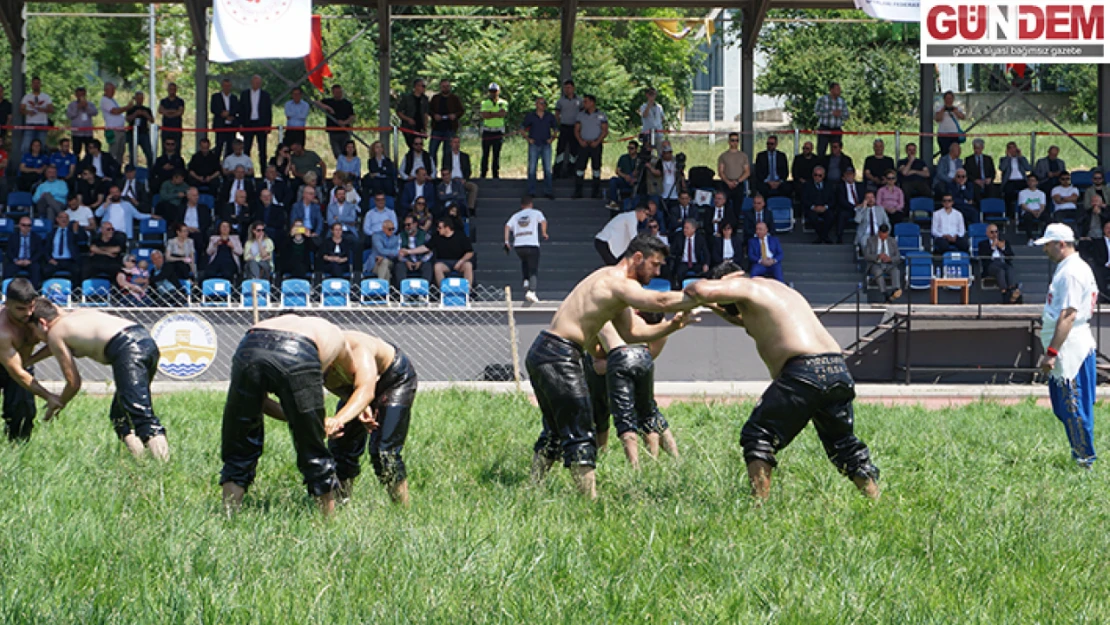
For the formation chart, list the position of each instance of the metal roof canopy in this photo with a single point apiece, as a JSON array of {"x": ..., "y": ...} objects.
[{"x": 753, "y": 14}]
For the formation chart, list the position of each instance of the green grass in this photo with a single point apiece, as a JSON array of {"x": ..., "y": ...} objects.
[{"x": 983, "y": 520}]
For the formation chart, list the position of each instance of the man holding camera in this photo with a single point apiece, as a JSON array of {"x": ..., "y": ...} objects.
[{"x": 666, "y": 174}]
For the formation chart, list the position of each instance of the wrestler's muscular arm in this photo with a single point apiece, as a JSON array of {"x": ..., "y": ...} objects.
[
  {"x": 359, "y": 361},
  {"x": 13, "y": 362},
  {"x": 56, "y": 342},
  {"x": 714, "y": 292}
]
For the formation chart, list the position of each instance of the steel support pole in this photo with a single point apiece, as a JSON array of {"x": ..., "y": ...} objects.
[{"x": 384, "y": 104}]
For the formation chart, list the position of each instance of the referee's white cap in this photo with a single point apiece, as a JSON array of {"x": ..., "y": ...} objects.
[{"x": 1056, "y": 232}]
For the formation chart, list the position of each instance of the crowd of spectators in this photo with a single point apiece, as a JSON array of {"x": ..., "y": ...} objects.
[{"x": 235, "y": 211}]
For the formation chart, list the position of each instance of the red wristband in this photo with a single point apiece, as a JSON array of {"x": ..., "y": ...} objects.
[{"x": 1051, "y": 351}]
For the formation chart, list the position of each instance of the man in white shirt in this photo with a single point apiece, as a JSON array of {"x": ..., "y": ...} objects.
[
  {"x": 1034, "y": 208},
  {"x": 120, "y": 213},
  {"x": 1064, "y": 198},
  {"x": 524, "y": 229},
  {"x": 614, "y": 238},
  {"x": 35, "y": 106},
  {"x": 114, "y": 121},
  {"x": 651, "y": 112},
  {"x": 949, "y": 232},
  {"x": 80, "y": 213},
  {"x": 237, "y": 158},
  {"x": 1069, "y": 346}
]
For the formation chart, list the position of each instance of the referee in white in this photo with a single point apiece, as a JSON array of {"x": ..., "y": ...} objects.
[
  {"x": 1069, "y": 346},
  {"x": 527, "y": 226}
]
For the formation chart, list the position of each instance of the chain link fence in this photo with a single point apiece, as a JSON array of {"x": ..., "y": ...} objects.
[{"x": 450, "y": 338}]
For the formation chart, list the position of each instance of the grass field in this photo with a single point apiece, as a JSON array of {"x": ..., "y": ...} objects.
[{"x": 983, "y": 520}]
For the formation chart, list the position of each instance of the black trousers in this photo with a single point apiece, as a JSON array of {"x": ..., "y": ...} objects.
[
  {"x": 588, "y": 155},
  {"x": 250, "y": 136},
  {"x": 393, "y": 397},
  {"x": 80, "y": 145},
  {"x": 942, "y": 245},
  {"x": 605, "y": 252},
  {"x": 287, "y": 365},
  {"x": 828, "y": 135},
  {"x": 631, "y": 379},
  {"x": 529, "y": 264},
  {"x": 566, "y": 150},
  {"x": 599, "y": 394},
  {"x": 816, "y": 387},
  {"x": 559, "y": 381},
  {"x": 1003, "y": 274},
  {"x": 293, "y": 135},
  {"x": 19, "y": 407},
  {"x": 224, "y": 139},
  {"x": 134, "y": 357},
  {"x": 491, "y": 142},
  {"x": 69, "y": 266}
]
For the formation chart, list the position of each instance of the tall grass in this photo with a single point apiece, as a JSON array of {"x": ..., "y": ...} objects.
[{"x": 983, "y": 520}]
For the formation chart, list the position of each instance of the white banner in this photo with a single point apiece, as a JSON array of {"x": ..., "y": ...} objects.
[
  {"x": 1004, "y": 31},
  {"x": 891, "y": 10},
  {"x": 260, "y": 29}
]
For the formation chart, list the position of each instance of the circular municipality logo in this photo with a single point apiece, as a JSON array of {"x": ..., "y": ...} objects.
[
  {"x": 250, "y": 12},
  {"x": 187, "y": 343}
]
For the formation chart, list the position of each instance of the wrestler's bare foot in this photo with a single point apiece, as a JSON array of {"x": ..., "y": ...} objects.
[
  {"x": 586, "y": 479},
  {"x": 759, "y": 475},
  {"x": 651, "y": 439},
  {"x": 233, "y": 497},
  {"x": 670, "y": 445},
  {"x": 326, "y": 503},
  {"x": 134, "y": 445},
  {"x": 631, "y": 448},
  {"x": 602, "y": 438},
  {"x": 399, "y": 493},
  {"x": 540, "y": 466},
  {"x": 867, "y": 486},
  {"x": 159, "y": 447}
]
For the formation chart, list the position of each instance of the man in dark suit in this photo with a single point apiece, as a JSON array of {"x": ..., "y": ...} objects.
[
  {"x": 849, "y": 195},
  {"x": 771, "y": 168},
  {"x": 419, "y": 186},
  {"x": 964, "y": 196},
  {"x": 684, "y": 209},
  {"x": 713, "y": 216},
  {"x": 689, "y": 254},
  {"x": 980, "y": 172},
  {"x": 1100, "y": 260},
  {"x": 276, "y": 185},
  {"x": 239, "y": 181},
  {"x": 819, "y": 202},
  {"x": 765, "y": 254},
  {"x": 224, "y": 107},
  {"x": 237, "y": 213},
  {"x": 996, "y": 257},
  {"x": 801, "y": 171},
  {"x": 270, "y": 213},
  {"x": 256, "y": 111},
  {"x": 836, "y": 161},
  {"x": 165, "y": 165},
  {"x": 758, "y": 214},
  {"x": 25, "y": 253},
  {"x": 62, "y": 255},
  {"x": 103, "y": 165},
  {"x": 134, "y": 191}
]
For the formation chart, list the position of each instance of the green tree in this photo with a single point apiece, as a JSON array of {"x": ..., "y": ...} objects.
[
  {"x": 876, "y": 65},
  {"x": 1081, "y": 81}
]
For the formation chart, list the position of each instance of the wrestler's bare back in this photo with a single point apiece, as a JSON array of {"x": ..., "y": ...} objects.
[
  {"x": 87, "y": 332},
  {"x": 597, "y": 300},
  {"x": 776, "y": 316},
  {"x": 329, "y": 339}
]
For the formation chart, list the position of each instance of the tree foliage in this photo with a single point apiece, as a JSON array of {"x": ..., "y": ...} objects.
[
  {"x": 877, "y": 70},
  {"x": 1081, "y": 81}
]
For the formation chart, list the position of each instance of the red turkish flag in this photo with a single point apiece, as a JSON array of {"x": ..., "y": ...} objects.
[
  {"x": 316, "y": 57},
  {"x": 1019, "y": 69}
]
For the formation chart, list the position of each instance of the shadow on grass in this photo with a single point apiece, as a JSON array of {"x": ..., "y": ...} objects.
[{"x": 504, "y": 472}]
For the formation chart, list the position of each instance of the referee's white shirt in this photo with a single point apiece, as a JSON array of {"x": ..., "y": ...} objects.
[{"x": 1073, "y": 286}]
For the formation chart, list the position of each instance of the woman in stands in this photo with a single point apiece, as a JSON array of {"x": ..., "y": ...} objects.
[
  {"x": 349, "y": 162},
  {"x": 381, "y": 173},
  {"x": 224, "y": 253},
  {"x": 181, "y": 255},
  {"x": 258, "y": 254},
  {"x": 335, "y": 254}
]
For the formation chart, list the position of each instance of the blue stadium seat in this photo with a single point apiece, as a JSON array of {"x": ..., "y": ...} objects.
[
  {"x": 374, "y": 292},
  {"x": 993, "y": 209},
  {"x": 783, "y": 210},
  {"x": 7, "y": 228},
  {"x": 414, "y": 291},
  {"x": 659, "y": 284},
  {"x": 152, "y": 233},
  {"x": 96, "y": 292},
  {"x": 215, "y": 292},
  {"x": 143, "y": 253},
  {"x": 142, "y": 174},
  {"x": 246, "y": 291},
  {"x": 40, "y": 226},
  {"x": 335, "y": 292},
  {"x": 20, "y": 201},
  {"x": 58, "y": 290},
  {"x": 919, "y": 269},
  {"x": 295, "y": 293},
  {"x": 956, "y": 265},
  {"x": 921, "y": 210},
  {"x": 4, "y": 287},
  {"x": 1082, "y": 179},
  {"x": 746, "y": 206},
  {"x": 975, "y": 234},
  {"x": 908, "y": 236},
  {"x": 454, "y": 293},
  {"x": 207, "y": 200},
  {"x": 688, "y": 281}
]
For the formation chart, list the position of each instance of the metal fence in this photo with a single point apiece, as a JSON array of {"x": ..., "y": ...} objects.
[
  {"x": 448, "y": 341},
  {"x": 706, "y": 106}
]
